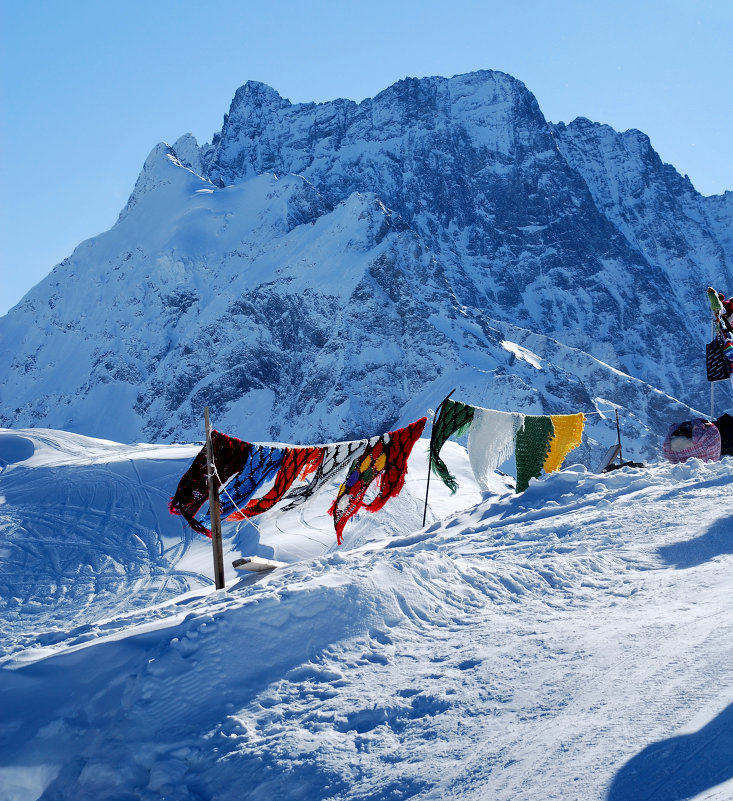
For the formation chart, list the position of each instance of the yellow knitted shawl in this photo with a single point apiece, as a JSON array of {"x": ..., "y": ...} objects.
[{"x": 568, "y": 435}]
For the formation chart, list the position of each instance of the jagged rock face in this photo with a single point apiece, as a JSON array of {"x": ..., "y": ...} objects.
[
  {"x": 513, "y": 207},
  {"x": 659, "y": 213},
  {"x": 440, "y": 235},
  {"x": 224, "y": 302}
]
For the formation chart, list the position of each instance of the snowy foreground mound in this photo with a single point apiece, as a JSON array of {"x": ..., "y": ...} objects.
[{"x": 572, "y": 642}]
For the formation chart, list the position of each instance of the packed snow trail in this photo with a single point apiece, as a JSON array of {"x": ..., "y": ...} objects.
[
  {"x": 85, "y": 532},
  {"x": 572, "y": 642}
]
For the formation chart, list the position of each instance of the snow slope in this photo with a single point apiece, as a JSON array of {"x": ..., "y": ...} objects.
[{"x": 572, "y": 642}]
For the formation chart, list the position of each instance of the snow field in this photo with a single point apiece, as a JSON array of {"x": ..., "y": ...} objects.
[{"x": 571, "y": 642}]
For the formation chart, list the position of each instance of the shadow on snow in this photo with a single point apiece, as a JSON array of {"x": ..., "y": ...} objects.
[
  {"x": 717, "y": 540},
  {"x": 681, "y": 767}
]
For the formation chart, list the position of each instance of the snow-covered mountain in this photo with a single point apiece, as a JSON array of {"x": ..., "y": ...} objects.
[{"x": 322, "y": 271}]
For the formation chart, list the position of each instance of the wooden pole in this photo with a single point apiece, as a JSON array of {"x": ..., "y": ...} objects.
[
  {"x": 430, "y": 457},
  {"x": 618, "y": 434},
  {"x": 214, "y": 510}
]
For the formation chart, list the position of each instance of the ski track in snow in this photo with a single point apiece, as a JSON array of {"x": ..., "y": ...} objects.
[
  {"x": 86, "y": 541},
  {"x": 572, "y": 642}
]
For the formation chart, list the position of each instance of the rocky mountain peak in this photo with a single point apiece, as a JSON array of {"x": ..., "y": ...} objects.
[
  {"x": 256, "y": 93},
  {"x": 322, "y": 270}
]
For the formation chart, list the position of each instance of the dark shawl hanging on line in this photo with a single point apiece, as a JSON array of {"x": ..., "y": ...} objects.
[{"x": 230, "y": 455}]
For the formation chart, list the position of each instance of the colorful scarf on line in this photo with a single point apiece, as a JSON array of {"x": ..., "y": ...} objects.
[
  {"x": 243, "y": 468},
  {"x": 287, "y": 464},
  {"x": 532, "y": 448},
  {"x": 728, "y": 350},
  {"x": 453, "y": 420},
  {"x": 263, "y": 462},
  {"x": 335, "y": 458},
  {"x": 294, "y": 463},
  {"x": 568, "y": 436},
  {"x": 383, "y": 462},
  {"x": 230, "y": 456}
]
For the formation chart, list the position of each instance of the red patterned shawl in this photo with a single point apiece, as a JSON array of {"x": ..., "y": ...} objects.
[
  {"x": 296, "y": 463},
  {"x": 383, "y": 461}
]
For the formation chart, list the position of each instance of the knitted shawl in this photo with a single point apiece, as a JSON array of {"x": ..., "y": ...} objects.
[
  {"x": 241, "y": 469},
  {"x": 288, "y": 465},
  {"x": 383, "y": 463},
  {"x": 568, "y": 436},
  {"x": 263, "y": 463},
  {"x": 453, "y": 420},
  {"x": 295, "y": 463},
  {"x": 335, "y": 458},
  {"x": 230, "y": 456},
  {"x": 491, "y": 441},
  {"x": 533, "y": 447}
]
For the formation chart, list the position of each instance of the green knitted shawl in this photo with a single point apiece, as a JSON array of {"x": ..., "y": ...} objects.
[
  {"x": 533, "y": 445},
  {"x": 454, "y": 419}
]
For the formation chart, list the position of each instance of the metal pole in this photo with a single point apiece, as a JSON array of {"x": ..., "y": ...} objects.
[
  {"x": 712, "y": 401},
  {"x": 618, "y": 434},
  {"x": 214, "y": 507},
  {"x": 712, "y": 386},
  {"x": 430, "y": 456},
  {"x": 427, "y": 487}
]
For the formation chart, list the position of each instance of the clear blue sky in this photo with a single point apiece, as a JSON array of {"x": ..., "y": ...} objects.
[{"x": 88, "y": 88}]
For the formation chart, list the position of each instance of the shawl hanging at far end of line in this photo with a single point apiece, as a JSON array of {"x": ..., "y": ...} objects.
[{"x": 568, "y": 436}]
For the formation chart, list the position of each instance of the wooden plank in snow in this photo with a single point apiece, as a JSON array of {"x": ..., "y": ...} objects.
[{"x": 256, "y": 564}]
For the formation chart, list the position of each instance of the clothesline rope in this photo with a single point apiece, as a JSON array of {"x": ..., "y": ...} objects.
[{"x": 223, "y": 489}]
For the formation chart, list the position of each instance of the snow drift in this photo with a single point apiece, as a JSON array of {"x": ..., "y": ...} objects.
[{"x": 570, "y": 642}]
